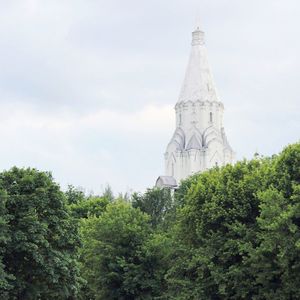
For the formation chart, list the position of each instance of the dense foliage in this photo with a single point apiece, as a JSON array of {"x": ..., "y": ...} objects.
[
  {"x": 228, "y": 233},
  {"x": 115, "y": 264},
  {"x": 237, "y": 232},
  {"x": 39, "y": 240},
  {"x": 157, "y": 203}
]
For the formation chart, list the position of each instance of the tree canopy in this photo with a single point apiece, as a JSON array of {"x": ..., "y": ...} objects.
[
  {"x": 112, "y": 253},
  {"x": 238, "y": 232},
  {"x": 40, "y": 238},
  {"x": 227, "y": 233}
]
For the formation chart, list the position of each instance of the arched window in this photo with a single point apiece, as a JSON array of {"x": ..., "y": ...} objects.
[
  {"x": 180, "y": 119},
  {"x": 210, "y": 117}
]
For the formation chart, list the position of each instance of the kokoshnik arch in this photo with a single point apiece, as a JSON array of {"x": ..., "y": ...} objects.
[{"x": 199, "y": 141}]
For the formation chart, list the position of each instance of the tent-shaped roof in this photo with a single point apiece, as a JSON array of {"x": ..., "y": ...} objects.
[
  {"x": 198, "y": 83},
  {"x": 166, "y": 181}
]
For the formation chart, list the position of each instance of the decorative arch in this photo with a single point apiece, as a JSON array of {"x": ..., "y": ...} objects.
[
  {"x": 210, "y": 135},
  {"x": 178, "y": 141},
  {"x": 194, "y": 143}
]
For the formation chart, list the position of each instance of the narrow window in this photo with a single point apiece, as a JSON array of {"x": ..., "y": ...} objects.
[
  {"x": 180, "y": 119},
  {"x": 210, "y": 117},
  {"x": 172, "y": 169}
]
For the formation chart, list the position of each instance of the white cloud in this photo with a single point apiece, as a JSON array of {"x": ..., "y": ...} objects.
[
  {"x": 87, "y": 88},
  {"x": 150, "y": 119},
  {"x": 80, "y": 148}
]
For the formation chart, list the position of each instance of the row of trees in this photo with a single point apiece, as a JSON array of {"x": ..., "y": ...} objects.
[{"x": 228, "y": 233}]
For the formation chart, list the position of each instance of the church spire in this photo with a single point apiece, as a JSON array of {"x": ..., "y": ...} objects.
[
  {"x": 198, "y": 83},
  {"x": 199, "y": 141}
]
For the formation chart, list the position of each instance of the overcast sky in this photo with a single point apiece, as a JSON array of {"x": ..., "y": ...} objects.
[{"x": 88, "y": 87}]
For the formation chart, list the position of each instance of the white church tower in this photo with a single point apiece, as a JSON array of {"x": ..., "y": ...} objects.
[{"x": 199, "y": 141}]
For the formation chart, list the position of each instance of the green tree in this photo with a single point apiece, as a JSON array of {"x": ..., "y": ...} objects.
[
  {"x": 82, "y": 206},
  {"x": 156, "y": 202},
  {"x": 108, "y": 193},
  {"x": 4, "y": 238},
  {"x": 237, "y": 232},
  {"x": 276, "y": 260},
  {"x": 90, "y": 206},
  {"x": 117, "y": 253},
  {"x": 216, "y": 232},
  {"x": 41, "y": 251},
  {"x": 74, "y": 195}
]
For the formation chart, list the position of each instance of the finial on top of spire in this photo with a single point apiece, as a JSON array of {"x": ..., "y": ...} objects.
[
  {"x": 198, "y": 37},
  {"x": 198, "y": 20}
]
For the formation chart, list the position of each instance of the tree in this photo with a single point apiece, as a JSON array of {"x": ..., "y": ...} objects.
[
  {"x": 108, "y": 193},
  {"x": 276, "y": 260},
  {"x": 216, "y": 231},
  {"x": 82, "y": 206},
  {"x": 91, "y": 206},
  {"x": 117, "y": 255},
  {"x": 237, "y": 233},
  {"x": 156, "y": 202},
  {"x": 42, "y": 250},
  {"x": 4, "y": 238},
  {"x": 74, "y": 195}
]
